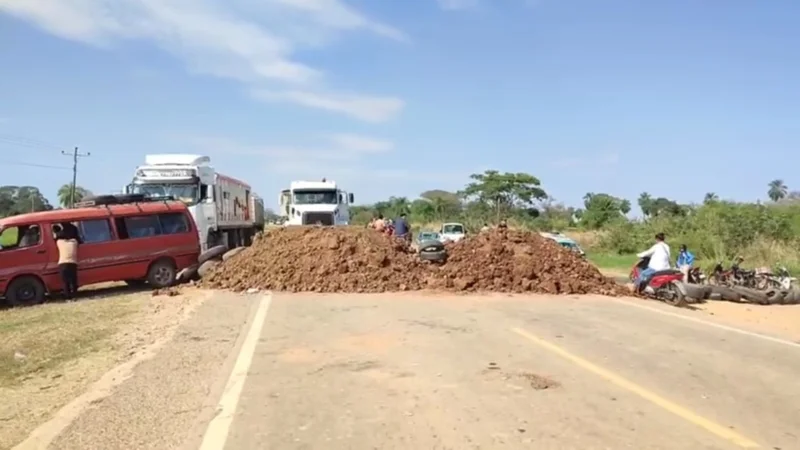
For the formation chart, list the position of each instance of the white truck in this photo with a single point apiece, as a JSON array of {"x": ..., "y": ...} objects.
[
  {"x": 315, "y": 203},
  {"x": 226, "y": 210}
]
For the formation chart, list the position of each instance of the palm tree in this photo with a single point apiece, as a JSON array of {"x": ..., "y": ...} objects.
[
  {"x": 710, "y": 198},
  {"x": 65, "y": 195},
  {"x": 777, "y": 190},
  {"x": 645, "y": 204}
]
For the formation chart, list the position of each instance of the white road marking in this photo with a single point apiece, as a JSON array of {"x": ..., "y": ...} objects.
[
  {"x": 216, "y": 434},
  {"x": 710, "y": 324}
]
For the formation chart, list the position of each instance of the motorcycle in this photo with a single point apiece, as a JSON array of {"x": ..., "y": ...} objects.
[
  {"x": 696, "y": 276},
  {"x": 782, "y": 280},
  {"x": 664, "y": 285},
  {"x": 734, "y": 277}
]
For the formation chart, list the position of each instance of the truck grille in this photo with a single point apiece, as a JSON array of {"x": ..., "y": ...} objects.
[{"x": 313, "y": 218}]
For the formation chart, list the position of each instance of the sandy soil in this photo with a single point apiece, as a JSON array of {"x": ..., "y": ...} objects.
[
  {"x": 61, "y": 349},
  {"x": 779, "y": 320}
]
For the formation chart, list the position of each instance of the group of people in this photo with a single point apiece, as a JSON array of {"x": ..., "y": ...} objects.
[
  {"x": 660, "y": 259},
  {"x": 398, "y": 227}
]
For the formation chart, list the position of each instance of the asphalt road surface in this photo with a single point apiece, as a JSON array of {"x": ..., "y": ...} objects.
[{"x": 411, "y": 371}]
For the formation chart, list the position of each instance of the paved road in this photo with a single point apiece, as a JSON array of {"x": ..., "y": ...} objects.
[{"x": 441, "y": 372}]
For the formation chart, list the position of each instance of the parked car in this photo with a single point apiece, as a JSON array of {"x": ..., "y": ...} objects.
[
  {"x": 452, "y": 232},
  {"x": 423, "y": 236},
  {"x": 137, "y": 242},
  {"x": 565, "y": 242}
]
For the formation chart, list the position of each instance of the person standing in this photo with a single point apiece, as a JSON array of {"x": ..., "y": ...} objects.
[
  {"x": 67, "y": 240},
  {"x": 401, "y": 228},
  {"x": 685, "y": 262}
]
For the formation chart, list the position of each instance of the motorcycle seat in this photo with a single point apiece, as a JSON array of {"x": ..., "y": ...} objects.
[{"x": 667, "y": 272}]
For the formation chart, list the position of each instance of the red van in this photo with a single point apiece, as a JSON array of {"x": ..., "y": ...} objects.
[{"x": 137, "y": 242}]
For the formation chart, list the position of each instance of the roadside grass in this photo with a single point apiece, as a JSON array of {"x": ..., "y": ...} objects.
[
  {"x": 9, "y": 237},
  {"x": 611, "y": 262},
  {"x": 37, "y": 341}
]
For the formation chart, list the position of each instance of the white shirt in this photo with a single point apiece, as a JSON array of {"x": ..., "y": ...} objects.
[{"x": 659, "y": 256}]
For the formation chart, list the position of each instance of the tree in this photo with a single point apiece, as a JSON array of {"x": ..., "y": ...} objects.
[
  {"x": 777, "y": 190},
  {"x": 710, "y": 198},
  {"x": 504, "y": 191},
  {"x": 21, "y": 199},
  {"x": 645, "y": 204},
  {"x": 442, "y": 204},
  {"x": 602, "y": 209},
  {"x": 65, "y": 195}
]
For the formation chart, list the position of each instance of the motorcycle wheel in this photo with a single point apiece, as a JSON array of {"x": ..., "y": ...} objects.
[{"x": 672, "y": 295}]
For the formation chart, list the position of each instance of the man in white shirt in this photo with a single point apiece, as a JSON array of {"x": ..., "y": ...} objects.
[{"x": 659, "y": 260}]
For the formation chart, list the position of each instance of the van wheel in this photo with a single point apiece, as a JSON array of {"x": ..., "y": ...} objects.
[
  {"x": 25, "y": 291},
  {"x": 161, "y": 274}
]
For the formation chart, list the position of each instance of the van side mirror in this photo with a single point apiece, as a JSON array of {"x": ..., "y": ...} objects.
[{"x": 351, "y": 199}]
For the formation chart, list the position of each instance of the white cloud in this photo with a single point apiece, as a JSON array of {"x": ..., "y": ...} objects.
[
  {"x": 366, "y": 108},
  {"x": 251, "y": 42}
]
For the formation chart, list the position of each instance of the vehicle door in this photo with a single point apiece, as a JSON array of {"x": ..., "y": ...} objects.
[
  {"x": 24, "y": 252},
  {"x": 99, "y": 254}
]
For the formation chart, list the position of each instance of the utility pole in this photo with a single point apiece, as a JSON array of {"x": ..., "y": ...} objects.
[{"x": 75, "y": 155}]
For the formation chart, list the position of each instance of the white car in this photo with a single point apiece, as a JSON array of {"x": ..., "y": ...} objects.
[{"x": 452, "y": 232}]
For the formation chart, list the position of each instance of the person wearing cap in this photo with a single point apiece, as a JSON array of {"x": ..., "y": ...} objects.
[{"x": 684, "y": 262}]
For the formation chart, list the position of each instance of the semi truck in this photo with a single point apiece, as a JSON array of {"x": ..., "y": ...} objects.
[
  {"x": 226, "y": 210},
  {"x": 315, "y": 203}
]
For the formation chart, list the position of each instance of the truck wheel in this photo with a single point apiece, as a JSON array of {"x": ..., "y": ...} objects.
[
  {"x": 161, "y": 274},
  {"x": 207, "y": 267},
  {"x": 187, "y": 274},
  {"x": 212, "y": 253},
  {"x": 231, "y": 253},
  {"x": 25, "y": 291}
]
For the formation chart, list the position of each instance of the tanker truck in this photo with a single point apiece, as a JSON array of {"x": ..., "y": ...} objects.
[
  {"x": 226, "y": 210},
  {"x": 315, "y": 203}
]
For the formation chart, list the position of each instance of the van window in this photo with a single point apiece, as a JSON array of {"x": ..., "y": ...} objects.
[
  {"x": 173, "y": 223},
  {"x": 20, "y": 237},
  {"x": 93, "y": 231},
  {"x": 137, "y": 226}
]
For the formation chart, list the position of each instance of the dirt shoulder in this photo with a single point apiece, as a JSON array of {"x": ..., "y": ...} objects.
[
  {"x": 52, "y": 353},
  {"x": 777, "y": 320}
]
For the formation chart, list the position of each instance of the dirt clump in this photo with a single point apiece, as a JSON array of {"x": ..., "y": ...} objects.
[
  {"x": 519, "y": 261},
  {"x": 320, "y": 259}
]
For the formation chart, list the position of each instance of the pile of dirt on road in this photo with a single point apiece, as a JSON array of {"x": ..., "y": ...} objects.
[
  {"x": 519, "y": 261},
  {"x": 321, "y": 259}
]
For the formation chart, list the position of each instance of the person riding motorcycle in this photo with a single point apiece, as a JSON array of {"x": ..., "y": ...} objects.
[
  {"x": 684, "y": 262},
  {"x": 659, "y": 260}
]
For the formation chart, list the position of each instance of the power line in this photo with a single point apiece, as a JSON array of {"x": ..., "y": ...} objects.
[
  {"x": 43, "y": 166},
  {"x": 75, "y": 155},
  {"x": 22, "y": 141}
]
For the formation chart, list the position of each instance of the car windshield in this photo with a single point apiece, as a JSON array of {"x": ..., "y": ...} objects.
[
  {"x": 428, "y": 236},
  {"x": 326, "y": 197},
  {"x": 187, "y": 193},
  {"x": 453, "y": 229}
]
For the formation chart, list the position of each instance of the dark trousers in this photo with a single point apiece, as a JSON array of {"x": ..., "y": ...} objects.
[{"x": 69, "y": 278}]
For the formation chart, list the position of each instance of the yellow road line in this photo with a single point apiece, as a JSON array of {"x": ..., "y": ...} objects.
[{"x": 685, "y": 414}]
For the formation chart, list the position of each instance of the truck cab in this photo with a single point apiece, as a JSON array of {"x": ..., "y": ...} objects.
[{"x": 315, "y": 203}]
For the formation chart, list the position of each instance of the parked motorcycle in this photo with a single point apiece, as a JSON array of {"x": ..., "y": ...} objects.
[
  {"x": 781, "y": 281},
  {"x": 665, "y": 285},
  {"x": 696, "y": 276}
]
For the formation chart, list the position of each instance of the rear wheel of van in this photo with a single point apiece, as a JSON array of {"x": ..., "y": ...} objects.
[
  {"x": 25, "y": 291},
  {"x": 161, "y": 274}
]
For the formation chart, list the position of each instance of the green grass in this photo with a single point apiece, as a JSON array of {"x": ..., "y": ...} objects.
[{"x": 611, "y": 261}]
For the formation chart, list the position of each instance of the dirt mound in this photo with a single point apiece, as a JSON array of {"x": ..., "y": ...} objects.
[
  {"x": 519, "y": 261},
  {"x": 321, "y": 259}
]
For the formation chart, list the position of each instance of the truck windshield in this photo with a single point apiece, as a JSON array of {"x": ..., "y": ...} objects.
[
  {"x": 187, "y": 193},
  {"x": 315, "y": 198},
  {"x": 453, "y": 229}
]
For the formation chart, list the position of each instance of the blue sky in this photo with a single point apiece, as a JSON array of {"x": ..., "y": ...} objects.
[{"x": 676, "y": 98}]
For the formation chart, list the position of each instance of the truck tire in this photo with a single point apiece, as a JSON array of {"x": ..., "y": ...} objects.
[
  {"x": 231, "y": 253},
  {"x": 188, "y": 274},
  {"x": 726, "y": 293},
  {"x": 25, "y": 291},
  {"x": 161, "y": 274},
  {"x": 207, "y": 267},
  {"x": 754, "y": 296},
  {"x": 212, "y": 253},
  {"x": 697, "y": 291},
  {"x": 791, "y": 298}
]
